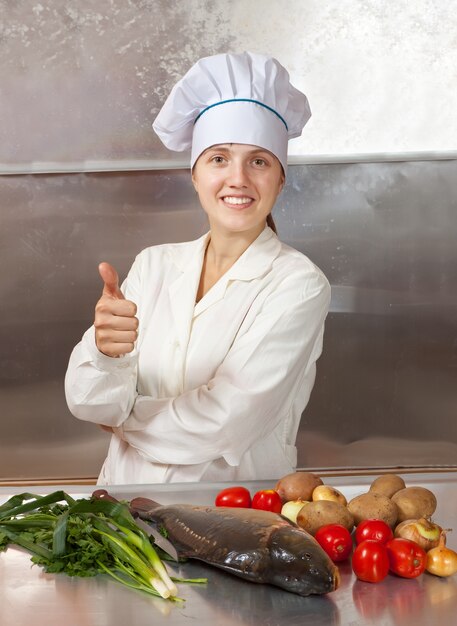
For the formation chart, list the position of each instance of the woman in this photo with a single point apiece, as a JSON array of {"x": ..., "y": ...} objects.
[{"x": 203, "y": 362}]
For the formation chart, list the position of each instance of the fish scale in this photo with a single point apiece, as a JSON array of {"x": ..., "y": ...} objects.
[
  {"x": 255, "y": 545},
  {"x": 202, "y": 529}
]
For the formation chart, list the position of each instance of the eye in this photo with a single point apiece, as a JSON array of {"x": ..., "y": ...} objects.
[
  {"x": 260, "y": 162},
  {"x": 217, "y": 159}
]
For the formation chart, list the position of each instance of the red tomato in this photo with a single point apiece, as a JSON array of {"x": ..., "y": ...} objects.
[
  {"x": 406, "y": 558},
  {"x": 374, "y": 529},
  {"x": 233, "y": 497},
  {"x": 267, "y": 500},
  {"x": 336, "y": 540},
  {"x": 370, "y": 561}
]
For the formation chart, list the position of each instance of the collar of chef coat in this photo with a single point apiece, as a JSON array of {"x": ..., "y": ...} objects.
[{"x": 255, "y": 261}]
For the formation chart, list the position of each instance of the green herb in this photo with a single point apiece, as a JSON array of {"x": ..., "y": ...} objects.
[{"x": 84, "y": 538}]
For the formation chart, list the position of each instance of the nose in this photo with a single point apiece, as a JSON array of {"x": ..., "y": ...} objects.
[{"x": 238, "y": 175}]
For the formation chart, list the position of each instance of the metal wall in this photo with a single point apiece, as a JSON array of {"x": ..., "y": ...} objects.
[
  {"x": 80, "y": 83},
  {"x": 384, "y": 234}
]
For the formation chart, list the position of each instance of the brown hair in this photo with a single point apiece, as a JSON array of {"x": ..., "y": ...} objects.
[{"x": 271, "y": 223}]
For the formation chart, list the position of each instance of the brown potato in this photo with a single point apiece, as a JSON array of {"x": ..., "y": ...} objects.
[
  {"x": 387, "y": 484},
  {"x": 297, "y": 486},
  {"x": 316, "y": 514},
  {"x": 324, "y": 492},
  {"x": 373, "y": 506},
  {"x": 414, "y": 502}
]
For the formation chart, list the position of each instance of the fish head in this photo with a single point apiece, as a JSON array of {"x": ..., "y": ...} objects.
[{"x": 299, "y": 564}]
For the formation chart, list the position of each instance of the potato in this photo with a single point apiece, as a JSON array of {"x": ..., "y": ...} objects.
[
  {"x": 324, "y": 492},
  {"x": 387, "y": 484},
  {"x": 414, "y": 502},
  {"x": 297, "y": 486},
  {"x": 373, "y": 506},
  {"x": 316, "y": 514}
]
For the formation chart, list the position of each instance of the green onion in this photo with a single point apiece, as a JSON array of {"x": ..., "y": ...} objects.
[
  {"x": 127, "y": 555},
  {"x": 35, "y": 502},
  {"x": 139, "y": 539},
  {"x": 21, "y": 540},
  {"x": 86, "y": 537}
]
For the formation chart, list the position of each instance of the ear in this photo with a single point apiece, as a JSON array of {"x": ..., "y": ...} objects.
[
  {"x": 194, "y": 181},
  {"x": 281, "y": 183}
]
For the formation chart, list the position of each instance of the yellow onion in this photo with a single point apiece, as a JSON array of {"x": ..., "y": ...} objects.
[
  {"x": 324, "y": 492},
  {"x": 292, "y": 508},
  {"x": 422, "y": 531},
  {"x": 441, "y": 561}
]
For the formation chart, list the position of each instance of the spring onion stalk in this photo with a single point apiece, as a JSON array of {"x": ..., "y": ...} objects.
[
  {"x": 31, "y": 521},
  {"x": 126, "y": 554},
  {"x": 15, "y": 501},
  {"x": 121, "y": 518},
  {"x": 86, "y": 537},
  {"x": 36, "y": 502},
  {"x": 59, "y": 543},
  {"x": 139, "y": 539},
  {"x": 129, "y": 579}
]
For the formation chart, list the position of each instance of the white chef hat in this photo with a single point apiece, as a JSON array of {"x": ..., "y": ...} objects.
[{"x": 233, "y": 98}]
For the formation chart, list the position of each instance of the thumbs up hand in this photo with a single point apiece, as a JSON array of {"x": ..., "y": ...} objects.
[
  {"x": 116, "y": 327},
  {"x": 110, "y": 281}
]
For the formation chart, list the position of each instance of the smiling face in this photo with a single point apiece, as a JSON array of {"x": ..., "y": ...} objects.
[{"x": 237, "y": 185}]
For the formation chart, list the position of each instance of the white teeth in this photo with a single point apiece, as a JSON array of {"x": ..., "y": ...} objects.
[{"x": 233, "y": 200}]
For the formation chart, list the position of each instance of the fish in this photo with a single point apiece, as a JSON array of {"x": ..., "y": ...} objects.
[{"x": 253, "y": 544}]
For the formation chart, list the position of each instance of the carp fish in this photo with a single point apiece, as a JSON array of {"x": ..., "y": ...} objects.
[{"x": 255, "y": 545}]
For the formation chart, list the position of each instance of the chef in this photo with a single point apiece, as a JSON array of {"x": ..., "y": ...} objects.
[{"x": 201, "y": 363}]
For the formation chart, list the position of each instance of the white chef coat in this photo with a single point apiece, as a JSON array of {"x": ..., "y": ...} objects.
[{"x": 214, "y": 390}]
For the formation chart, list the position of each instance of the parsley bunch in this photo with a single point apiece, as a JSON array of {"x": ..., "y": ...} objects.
[{"x": 85, "y": 537}]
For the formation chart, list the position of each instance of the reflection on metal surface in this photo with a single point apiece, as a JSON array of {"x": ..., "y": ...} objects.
[
  {"x": 27, "y": 595},
  {"x": 383, "y": 233},
  {"x": 55, "y": 231},
  {"x": 83, "y": 80},
  {"x": 182, "y": 162}
]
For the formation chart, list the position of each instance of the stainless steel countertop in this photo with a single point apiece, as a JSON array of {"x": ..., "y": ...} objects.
[{"x": 27, "y": 595}]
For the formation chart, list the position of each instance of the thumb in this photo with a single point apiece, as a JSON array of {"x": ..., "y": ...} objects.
[{"x": 111, "y": 281}]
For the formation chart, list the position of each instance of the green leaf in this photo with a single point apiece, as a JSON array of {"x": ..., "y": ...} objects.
[
  {"x": 4, "y": 541},
  {"x": 20, "y": 539},
  {"x": 36, "y": 502},
  {"x": 199, "y": 581},
  {"x": 28, "y": 523},
  {"x": 59, "y": 543},
  {"x": 14, "y": 502},
  {"x": 84, "y": 538},
  {"x": 109, "y": 509}
]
